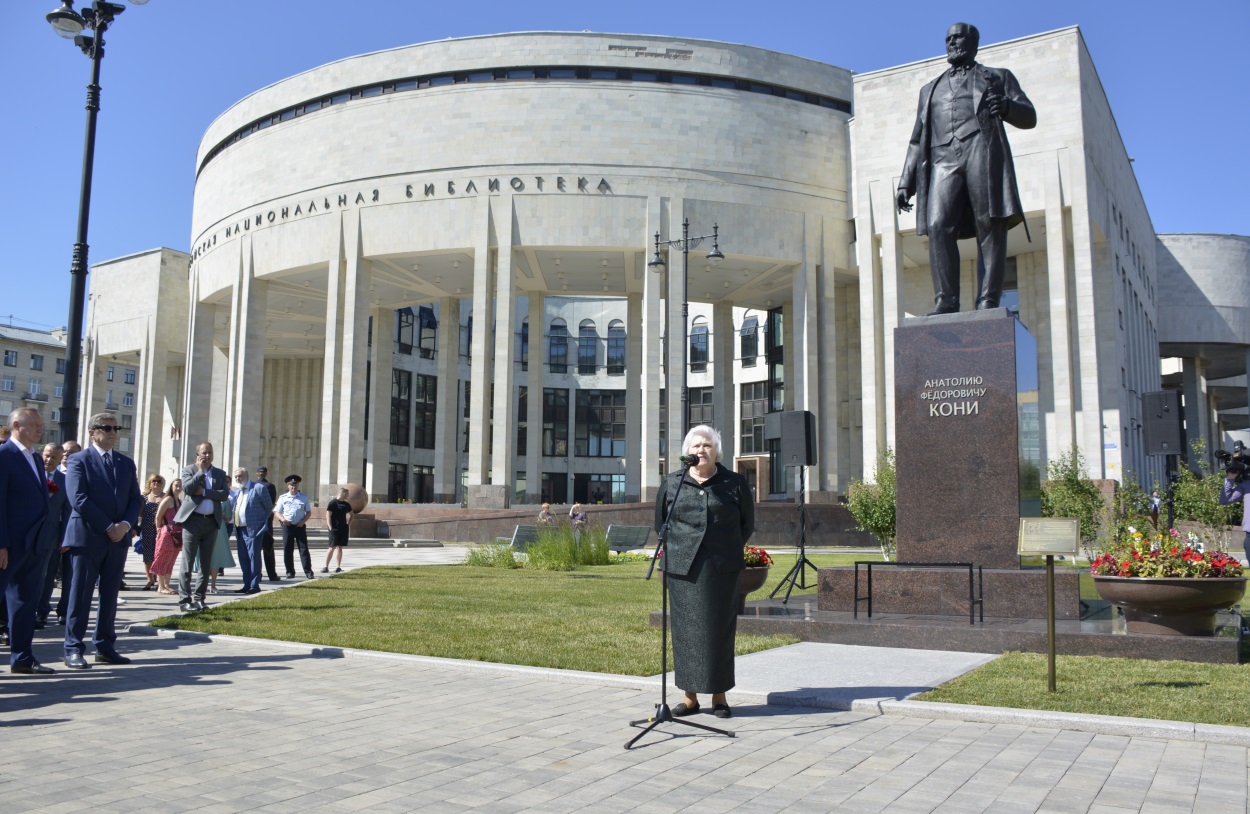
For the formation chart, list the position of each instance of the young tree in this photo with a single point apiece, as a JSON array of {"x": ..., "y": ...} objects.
[
  {"x": 872, "y": 504},
  {"x": 1067, "y": 492}
]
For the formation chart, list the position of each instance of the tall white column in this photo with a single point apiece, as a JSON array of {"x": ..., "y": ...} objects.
[
  {"x": 723, "y": 389},
  {"x": 198, "y": 379},
  {"x": 479, "y": 353},
  {"x": 247, "y": 366},
  {"x": 835, "y": 238},
  {"x": 331, "y": 382},
  {"x": 872, "y": 352},
  {"x": 447, "y": 417},
  {"x": 1059, "y": 424},
  {"x": 534, "y": 397},
  {"x": 503, "y": 463},
  {"x": 678, "y": 338},
  {"x": 635, "y": 445},
  {"x": 650, "y": 332},
  {"x": 353, "y": 358}
]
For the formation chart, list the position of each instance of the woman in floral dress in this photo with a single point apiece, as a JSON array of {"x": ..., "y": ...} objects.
[{"x": 168, "y": 537}]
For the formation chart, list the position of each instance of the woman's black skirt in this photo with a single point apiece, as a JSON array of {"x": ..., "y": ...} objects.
[{"x": 704, "y": 624}]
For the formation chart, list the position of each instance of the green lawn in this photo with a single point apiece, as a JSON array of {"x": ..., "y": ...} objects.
[
  {"x": 594, "y": 619},
  {"x": 1165, "y": 690}
]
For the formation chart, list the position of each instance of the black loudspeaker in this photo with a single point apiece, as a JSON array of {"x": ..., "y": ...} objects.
[
  {"x": 1162, "y": 422},
  {"x": 796, "y": 430}
]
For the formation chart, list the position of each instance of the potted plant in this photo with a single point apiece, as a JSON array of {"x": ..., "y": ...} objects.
[
  {"x": 1165, "y": 582},
  {"x": 754, "y": 575}
]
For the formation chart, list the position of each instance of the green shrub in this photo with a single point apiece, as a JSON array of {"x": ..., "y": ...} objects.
[
  {"x": 1067, "y": 492},
  {"x": 558, "y": 549},
  {"x": 492, "y": 556},
  {"x": 873, "y": 504}
]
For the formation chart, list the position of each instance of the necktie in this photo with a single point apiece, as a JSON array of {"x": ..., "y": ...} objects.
[{"x": 108, "y": 468}]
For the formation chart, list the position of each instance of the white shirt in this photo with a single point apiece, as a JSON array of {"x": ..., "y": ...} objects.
[{"x": 30, "y": 457}]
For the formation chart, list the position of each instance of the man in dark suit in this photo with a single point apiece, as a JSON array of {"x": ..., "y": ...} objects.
[
  {"x": 105, "y": 503},
  {"x": 53, "y": 528},
  {"x": 960, "y": 170},
  {"x": 266, "y": 543},
  {"x": 24, "y": 498},
  {"x": 70, "y": 448},
  {"x": 205, "y": 488}
]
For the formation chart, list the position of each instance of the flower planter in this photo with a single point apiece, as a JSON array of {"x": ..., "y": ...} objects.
[
  {"x": 752, "y": 580},
  {"x": 1171, "y": 606}
]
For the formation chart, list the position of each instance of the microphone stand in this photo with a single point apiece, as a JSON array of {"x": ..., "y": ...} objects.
[{"x": 664, "y": 715}]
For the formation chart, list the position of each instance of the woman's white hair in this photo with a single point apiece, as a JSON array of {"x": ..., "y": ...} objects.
[{"x": 703, "y": 431}]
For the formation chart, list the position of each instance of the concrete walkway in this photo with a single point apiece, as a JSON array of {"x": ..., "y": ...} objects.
[{"x": 231, "y": 725}]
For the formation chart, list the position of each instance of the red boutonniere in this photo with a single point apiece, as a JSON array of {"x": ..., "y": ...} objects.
[{"x": 53, "y": 488}]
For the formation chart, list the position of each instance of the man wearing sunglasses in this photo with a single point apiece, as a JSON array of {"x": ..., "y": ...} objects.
[{"x": 105, "y": 501}]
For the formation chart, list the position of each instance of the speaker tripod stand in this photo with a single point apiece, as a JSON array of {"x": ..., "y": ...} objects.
[
  {"x": 664, "y": 715},
  {"x": 798, "y": 574}
]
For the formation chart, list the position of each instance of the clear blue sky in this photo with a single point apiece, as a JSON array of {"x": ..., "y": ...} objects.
[{"x": 1174, "y": 72}]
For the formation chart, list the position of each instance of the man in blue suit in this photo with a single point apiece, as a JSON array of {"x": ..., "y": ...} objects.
[
  {"x": 53, "y": 528},
  {"x": 250, "y": 506},
  {"x": 105, "y": 501},
  {"x": 24, "y": 497}
]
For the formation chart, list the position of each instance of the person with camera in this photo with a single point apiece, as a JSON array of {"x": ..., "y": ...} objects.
[{"x": 1236, "y": 488}]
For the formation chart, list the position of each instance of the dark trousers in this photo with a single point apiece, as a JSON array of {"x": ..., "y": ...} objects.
[
  {"x": 23, "y": 582},
  {"x": 266, "y": 545},
  {"x": 89, "y": 564},
  {"x": 50, "y": 570},
  {"x": 292, "y": 536},
  {"x": 199, "y": 534},
  {"x": 958, "y": 185}
]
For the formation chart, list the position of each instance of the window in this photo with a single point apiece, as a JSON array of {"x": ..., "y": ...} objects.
[
  {"x": 10, "y": 358},
  {"x": 424, "y": 399},
  {"x": 58, "y": 390},
  {"x": 701, "y": 410},
  {"x": 749, "y": 341},
  {"x": 587, "y": 339},
  {"x": 558, "y": 355},
  {"x": 466, "y": 334},
  {"x": 401, "y": 397},
  {"x": 127, "y": 422},
  {"x": 397, "y": 483},
  {"x": 108, "y": 376},
  {"x": 128, "y": 399},
  {"x": 524, "y": 355},
  {"x": 129, "y": 377},
  {"x": 774, "y": 340},
  {"x": 698, "y": 346},
  {"x": 600, "y": 424},
  {"x": 7, "y": 384},
  {"x": 616, "y": 347},
  {"x": 109, "y": 404},
  {"x": 423, "y": 484},
  {"x": 60, "y": 366},
  {"x": 35, "y": 386},
  {"x": 555, "y": 421},
  {"x": 427, "y": 325},
  {"x": 405, "y": 322},
  {"x": 522, "y": 420},
  {"x": 36, "y": 361},
  {"x": 751, "y": 430}
]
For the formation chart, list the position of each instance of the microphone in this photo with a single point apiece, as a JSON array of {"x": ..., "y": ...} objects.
[{"x": 689, "y": 460}]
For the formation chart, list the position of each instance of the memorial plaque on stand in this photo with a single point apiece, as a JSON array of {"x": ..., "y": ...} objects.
[{"x": 966, "y": 437}]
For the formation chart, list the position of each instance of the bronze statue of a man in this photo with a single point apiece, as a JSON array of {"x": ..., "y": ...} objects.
[{"x": 959, "y": 168}]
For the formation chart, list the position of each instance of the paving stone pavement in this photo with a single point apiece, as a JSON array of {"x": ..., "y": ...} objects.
[{"x": 235, "y": 725}]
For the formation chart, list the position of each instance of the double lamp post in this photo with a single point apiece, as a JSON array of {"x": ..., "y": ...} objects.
[{"x": 71, "y": 24}]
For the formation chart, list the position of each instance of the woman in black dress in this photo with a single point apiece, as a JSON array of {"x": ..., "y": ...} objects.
[
  {"x": 147, "y": 526},
  {"x": 339, "y": 514},
  {"x": 711, "y": 522}
]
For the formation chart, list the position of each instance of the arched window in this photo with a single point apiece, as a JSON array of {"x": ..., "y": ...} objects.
[
  {"x": 558, "y": 349},
  {"x": 749, "y": 341},
  {"x": 698, "y": 346},
  {"x": 587, "y": 340},
  {"x": 616, "y": 347}
]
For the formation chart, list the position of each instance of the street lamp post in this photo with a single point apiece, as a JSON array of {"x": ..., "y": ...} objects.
[
  {"x": 70, "y": 24},
  {"x": 686, "y": 243}
]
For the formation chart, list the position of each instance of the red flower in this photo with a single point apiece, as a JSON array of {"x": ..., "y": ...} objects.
[{"x": 52, "y": 487}]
